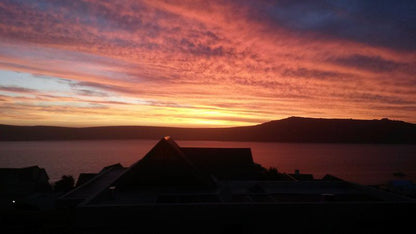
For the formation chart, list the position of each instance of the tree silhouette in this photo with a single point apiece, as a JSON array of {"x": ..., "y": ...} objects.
[{"x": 272, "y": 173}]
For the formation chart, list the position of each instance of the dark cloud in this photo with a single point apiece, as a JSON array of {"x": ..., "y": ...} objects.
[
  {"x": 373, "y": 63},
  {"x": 107, "y": 87},
  {"x": 411, "y": 108},
  {"x": 377, "y": 98},
  {"x": 86, "y": 92},
  {"x": 387, "y": 23},
  {"x": 15, "y": 89},
  {"x": 302, "y": 72},
  {"x": 272, "y": 84},
  {"x": 15, "y": 66},
  {"x": 367, "y": 97},
  {"x": 83, "y": 23},
  {"x": 200, "y": 49}
]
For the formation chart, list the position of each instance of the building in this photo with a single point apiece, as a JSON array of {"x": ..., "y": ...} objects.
[
  {"x": 217, "y": 190},
  {"x": 167, "y": 169},
  {"x": 20, "y": 182},
  {"x": 23, "y": 186}
]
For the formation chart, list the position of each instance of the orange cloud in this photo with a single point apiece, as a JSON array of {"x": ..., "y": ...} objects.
[{"x": 192, "y": 63}]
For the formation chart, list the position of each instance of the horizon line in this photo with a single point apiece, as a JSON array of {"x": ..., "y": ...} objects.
[{"x": 208, "y": 126}]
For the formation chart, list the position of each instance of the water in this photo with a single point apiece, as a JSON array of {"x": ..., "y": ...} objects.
[{"x": 361, "y": 163}]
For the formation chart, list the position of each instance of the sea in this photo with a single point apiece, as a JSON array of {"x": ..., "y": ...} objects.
[{"x": 369, "y": 164}]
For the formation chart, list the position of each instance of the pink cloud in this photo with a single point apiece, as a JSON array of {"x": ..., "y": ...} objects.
[{"x": 206, "y": 55}]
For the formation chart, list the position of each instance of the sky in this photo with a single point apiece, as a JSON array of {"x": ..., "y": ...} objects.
[{"x": 215, "y": 63}]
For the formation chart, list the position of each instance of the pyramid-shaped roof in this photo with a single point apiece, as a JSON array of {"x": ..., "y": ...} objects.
[{"x": 164, "y": 165}]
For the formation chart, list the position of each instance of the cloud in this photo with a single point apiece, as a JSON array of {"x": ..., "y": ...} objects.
[
  {"x": 169, "y": 62},
  {"x": 99, "y": 86},
  {"x": 314, "y": 73},
  {"x": 384, "y": 23},
  {"x": 16, "y": 89},
  {"x": 374, "y": 64},
  {"x": 86, "y": 92}
]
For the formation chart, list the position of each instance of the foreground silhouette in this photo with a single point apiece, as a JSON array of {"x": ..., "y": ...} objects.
[{"x": 209, "y": 190}]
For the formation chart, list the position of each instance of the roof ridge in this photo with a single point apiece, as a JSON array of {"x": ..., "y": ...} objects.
[
  {"x": 174, "y": 146},
  {"x": 98, "y": 175}
]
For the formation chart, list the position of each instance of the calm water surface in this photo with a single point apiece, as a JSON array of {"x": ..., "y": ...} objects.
[{"x": 362, "y": 163}]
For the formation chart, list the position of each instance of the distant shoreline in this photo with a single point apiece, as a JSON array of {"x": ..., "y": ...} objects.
[
  {"x": 290, "y": 130},
  {"x": 199, "y": 140}
]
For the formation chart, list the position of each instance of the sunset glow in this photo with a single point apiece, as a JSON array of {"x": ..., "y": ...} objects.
[{"x": 204, "y": 63}]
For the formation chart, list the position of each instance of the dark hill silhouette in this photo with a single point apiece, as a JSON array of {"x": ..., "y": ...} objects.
[{"x": 293, "y": 129}]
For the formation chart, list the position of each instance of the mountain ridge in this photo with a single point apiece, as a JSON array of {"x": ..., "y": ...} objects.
[{"x": 292, "y": 129}]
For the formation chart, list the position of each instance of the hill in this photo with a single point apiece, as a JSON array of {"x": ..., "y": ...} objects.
[{"x": 293, "y": 129}]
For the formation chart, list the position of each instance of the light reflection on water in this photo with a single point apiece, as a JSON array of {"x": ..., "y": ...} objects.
[{"x": 362, "y": 163}]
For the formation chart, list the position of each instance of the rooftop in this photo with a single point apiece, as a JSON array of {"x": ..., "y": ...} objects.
[{"x": 170, "y": 174}]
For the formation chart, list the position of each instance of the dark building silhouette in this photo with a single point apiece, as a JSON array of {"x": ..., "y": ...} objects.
[
  {"x": 195, "y": 173},
  {"x": 19, "y": 182},
  {"x": 164, "y": 166},
  {"x": 24, "y": 188},
  {"x": 84, "y": 177},
  {"x": 223, "y": 163},
  {"x": 301, "y": 177},
  {"x": 169, "y": 173},
  {"x": 217, "y": 190}
]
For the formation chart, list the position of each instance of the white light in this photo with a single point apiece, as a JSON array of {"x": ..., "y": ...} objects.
[{"x": 13, "y": 201}]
